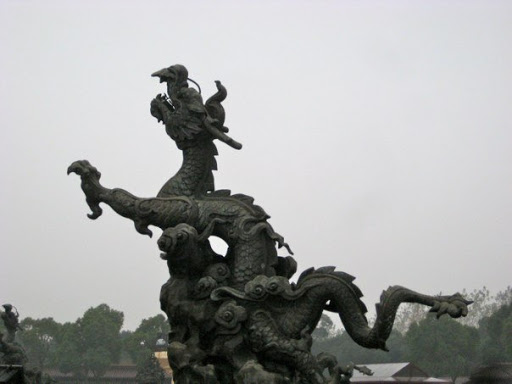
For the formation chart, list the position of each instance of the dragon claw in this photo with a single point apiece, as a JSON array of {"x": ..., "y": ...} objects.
[
  {"x": 95, "y": 214},
  {"x": 90, "y": 185},
  {"x": 455, "y": 306}
]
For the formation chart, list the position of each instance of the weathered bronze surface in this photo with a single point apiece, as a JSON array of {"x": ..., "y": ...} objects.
[
  {"x": 11, "y": 353},
  {"x": 11, "y": 322},
  {"x": 236, "y": 318},
  {"x": 13, "y": 359}
]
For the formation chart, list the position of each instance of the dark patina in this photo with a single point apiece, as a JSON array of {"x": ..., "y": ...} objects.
[{"x": 236, "y": 318}]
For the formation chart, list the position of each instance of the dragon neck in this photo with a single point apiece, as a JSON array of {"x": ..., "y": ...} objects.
[
  {"x": 195, "y": 177},
  {"x": 321, "y": 288}
]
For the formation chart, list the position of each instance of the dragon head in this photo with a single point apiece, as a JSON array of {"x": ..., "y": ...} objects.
[
  {"x": 175, "y": 76},
  {"x": 183, "y": 112},
  {"x": 84, "y": 169}
]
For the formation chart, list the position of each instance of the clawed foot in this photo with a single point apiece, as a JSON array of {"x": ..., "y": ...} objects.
[
  {"x": 90, "y": 185},
  {"x": 455, "y": 306}
]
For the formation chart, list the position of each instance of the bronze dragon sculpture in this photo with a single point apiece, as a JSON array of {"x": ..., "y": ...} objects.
[{"x": 236, "y": 318}]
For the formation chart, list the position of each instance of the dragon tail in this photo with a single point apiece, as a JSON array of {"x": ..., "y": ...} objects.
[{"x": 344, "y": 298}]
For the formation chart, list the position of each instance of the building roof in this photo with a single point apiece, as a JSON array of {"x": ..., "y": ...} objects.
[
  {"x": 495, "y": 373},
  {"x": 392, "y": 370},
  {"x": 372, "y": 380},
  {"x": 395, "y": 373}
]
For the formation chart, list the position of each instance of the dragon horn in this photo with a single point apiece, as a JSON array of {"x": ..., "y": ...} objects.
[{"x": 216, "y": 133}]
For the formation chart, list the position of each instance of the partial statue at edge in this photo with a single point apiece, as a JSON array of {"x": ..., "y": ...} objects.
[
  {"x": 11, "y": 322},
  {"x": 236, "y": 318},
  {"x": 12, "y": 354}
]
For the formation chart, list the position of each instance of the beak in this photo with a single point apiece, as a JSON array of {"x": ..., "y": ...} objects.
[{"x": 163, "y": 74}]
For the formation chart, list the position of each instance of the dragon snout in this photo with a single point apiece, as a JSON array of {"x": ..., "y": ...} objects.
[
  {"x": 166, "y": 245},
  {"x": 164, "y": 75},
  {"x": 75, "y": 168},
  {"x": 82, "y": 168}
]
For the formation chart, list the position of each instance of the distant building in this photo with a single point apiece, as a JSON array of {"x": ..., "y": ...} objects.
[
  {"x": 395, "y": 372},
  {"x": 497, "y": 373}
]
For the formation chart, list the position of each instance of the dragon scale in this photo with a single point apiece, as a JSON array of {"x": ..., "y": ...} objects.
[
  {"x": 236, "y": 318},
  {"x": 344, "y": 298},
  {"x": 243, "y": 226},
  {"x": 195, "y": 176}
]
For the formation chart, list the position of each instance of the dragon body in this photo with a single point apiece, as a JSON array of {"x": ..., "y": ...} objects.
[
  {"x": 241, "y": 224},
  {"x": 236, "y": 317},
  {"x": 291, "y": 313},
  {"x": 195, "y": 176}
]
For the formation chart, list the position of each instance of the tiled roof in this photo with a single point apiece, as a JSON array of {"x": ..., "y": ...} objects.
[
  {"x": 395, "y": 372},
  {"x": 382, "y": 370},
  {"x": 373, "y": 379}
]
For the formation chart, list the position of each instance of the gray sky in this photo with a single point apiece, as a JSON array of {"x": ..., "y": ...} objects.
[{"x": 376, "y": 134}]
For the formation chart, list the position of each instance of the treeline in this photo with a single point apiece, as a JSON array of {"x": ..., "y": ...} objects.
[
  {"x": 90, "y": 344},
  {"x": 443, "y": 347}
]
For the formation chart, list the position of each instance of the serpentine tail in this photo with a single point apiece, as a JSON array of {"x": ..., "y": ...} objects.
[{"x": 326, "y": 285}]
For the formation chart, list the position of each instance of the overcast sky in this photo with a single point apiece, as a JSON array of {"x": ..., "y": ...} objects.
[{"x": 376, "y": 134}]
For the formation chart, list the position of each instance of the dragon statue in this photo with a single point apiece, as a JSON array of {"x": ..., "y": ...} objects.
[{"x": 237, "y": 318}]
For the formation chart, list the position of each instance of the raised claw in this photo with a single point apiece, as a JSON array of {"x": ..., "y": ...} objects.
[
  {"x": 443, "y": 309},
  {"x": 455, "y": 306},
  {"x": 90, "y": 177},
  {"x": 435, "y": 307}
]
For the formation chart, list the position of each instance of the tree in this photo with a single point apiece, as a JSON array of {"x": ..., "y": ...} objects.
[
  {"x": 38, "y": 338},
  {"x": 67, "y": 353},
  {"x": 324, "y": 329},
  {"x": 504, "y": 297},
  {"x": 408, "y": 314},
  {"x": 496, "y": 336},
  {"x": 443, "y": 347},
  {"x": 485, "y": 304},
  {"x": 347, "y": 350},
  {"x": 92, "y": 343},
  {"x": 149, "y": 371},
  {"x": 142, "y": 341},
  {"x": 340, "y": 344}
]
